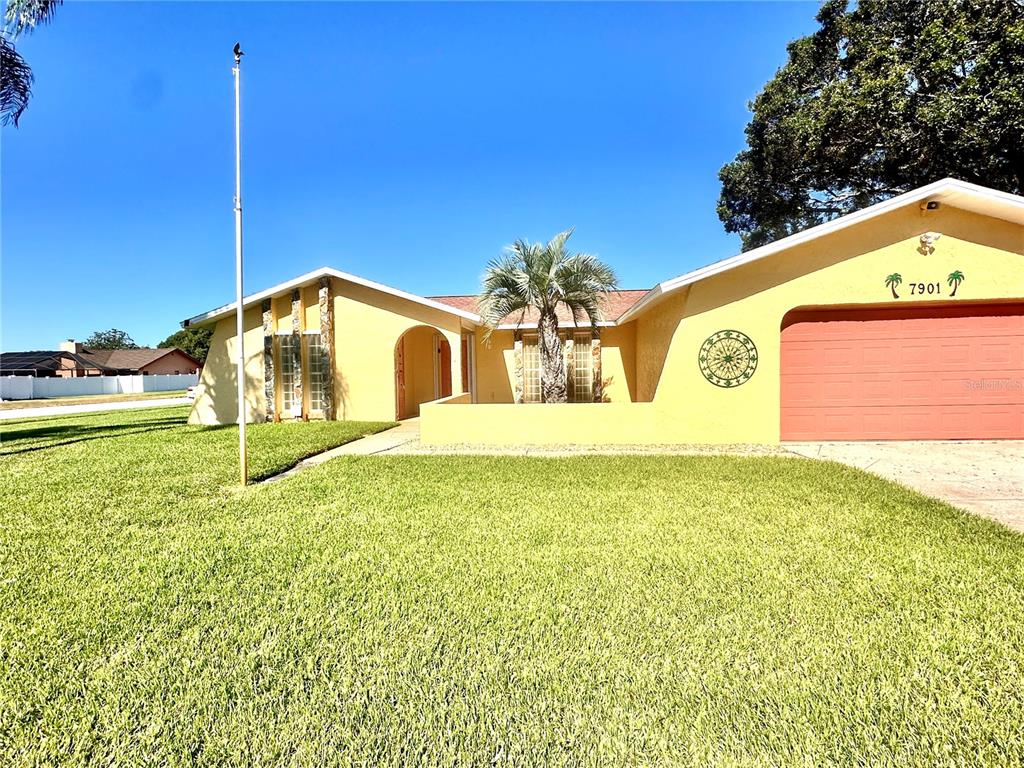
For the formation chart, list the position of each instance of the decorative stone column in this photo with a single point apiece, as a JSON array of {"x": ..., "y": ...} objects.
[
  {"x": 269, "y": 389},
  {"x": 297, "y": 336},
  {"x": 517, "y": 361},
  {"x": 327, "y": 345},
  {"x": 595, "y": 364}
]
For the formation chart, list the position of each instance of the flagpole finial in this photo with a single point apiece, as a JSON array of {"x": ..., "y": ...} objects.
[{"x": 239, "y": 53}]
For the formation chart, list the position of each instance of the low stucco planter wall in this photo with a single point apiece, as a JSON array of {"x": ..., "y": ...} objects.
[{"x": 456, "y": 421}]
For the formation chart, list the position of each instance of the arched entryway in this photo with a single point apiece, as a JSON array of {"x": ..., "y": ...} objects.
[{"x": 423, "y": 369}]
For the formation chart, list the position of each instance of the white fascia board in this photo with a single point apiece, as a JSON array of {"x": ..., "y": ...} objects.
[
  {"x": 309, "y": 277},
  {"x": 961, "y": 193}
]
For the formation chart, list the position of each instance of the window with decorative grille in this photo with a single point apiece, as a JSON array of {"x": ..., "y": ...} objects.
[
  {"x": 315, "y": 362},
  {"x": 579, "y": 368},
  {"x": 288, "y": 358}
]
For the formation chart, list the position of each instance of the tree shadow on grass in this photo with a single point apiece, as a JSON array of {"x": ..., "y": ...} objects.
[{"x": 67, "y": 434}]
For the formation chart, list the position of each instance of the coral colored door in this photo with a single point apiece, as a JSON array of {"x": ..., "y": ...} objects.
[{"x": 922, "y": 373}]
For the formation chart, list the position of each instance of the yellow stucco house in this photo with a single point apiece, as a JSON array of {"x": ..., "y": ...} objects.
[{"x": 904, "y": 320}]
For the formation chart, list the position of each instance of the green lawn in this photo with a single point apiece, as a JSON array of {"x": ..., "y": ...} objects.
[{"x": 469, "y": 611}]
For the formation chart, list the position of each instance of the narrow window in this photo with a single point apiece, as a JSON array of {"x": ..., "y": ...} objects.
[
  {"x": 531, "y": 369},
  {"x": 315, "y": 364},
  {"x": 580, "y": 376},
  {"x": 288, "y": 351}
]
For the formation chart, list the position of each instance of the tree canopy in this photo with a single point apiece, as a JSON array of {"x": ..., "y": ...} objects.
[
  {"x": 112, "y": 339},
  {"x": 194, "y": 341},
  {"x": 20, "y": 16},
  {"x": 886, "y": 96}
]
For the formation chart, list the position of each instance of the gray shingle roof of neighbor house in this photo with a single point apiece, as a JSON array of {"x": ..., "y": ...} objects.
[
  {"x": 961, "y": 194},
  {"x": 43, "y": 360},
  {"x": 104, "y": 360}
]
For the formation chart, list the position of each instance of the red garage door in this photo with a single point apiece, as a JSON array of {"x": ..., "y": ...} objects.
[{"x": 904, "y": 374}]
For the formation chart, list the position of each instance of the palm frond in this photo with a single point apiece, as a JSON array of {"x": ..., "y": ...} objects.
[
  {"x": 21, "y": 16},
  {"x": 542, "y": 277},
  {"x": 15, "y": 83}
]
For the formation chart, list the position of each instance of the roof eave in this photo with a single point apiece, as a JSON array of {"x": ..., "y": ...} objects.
[
  {"x": 820, "y": 230},
  {"x": 216, "y": 314}
]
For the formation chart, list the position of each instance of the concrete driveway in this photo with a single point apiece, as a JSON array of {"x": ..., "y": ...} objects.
[{"x": 984, "y": 477}]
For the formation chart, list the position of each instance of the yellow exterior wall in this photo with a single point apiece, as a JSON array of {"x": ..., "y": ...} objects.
[
  {"x": 618, "y": 363},
  {"x": 367, "y": 326},
  {"x": 420, "y": 356},
  {"x": 846, "y": 268},
  {"x": 656, "y": 391},
  {"x": 495, "y": 368},
  {"x": 495, "y": 365},
  {"x": 675, "y": 402},
  {"x": 218, "y": 386}
]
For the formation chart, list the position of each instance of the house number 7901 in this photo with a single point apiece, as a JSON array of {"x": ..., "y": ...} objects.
[{"x": 922, "y": 288}]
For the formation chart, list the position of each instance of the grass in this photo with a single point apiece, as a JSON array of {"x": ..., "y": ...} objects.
[
  {"x": 14, "y": 405},
  {"x": 472, "y": 610}
]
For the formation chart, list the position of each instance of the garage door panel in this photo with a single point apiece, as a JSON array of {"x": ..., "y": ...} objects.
[
  {"x": 921, "y": 373},
  {"x": 956, "y": 423}
]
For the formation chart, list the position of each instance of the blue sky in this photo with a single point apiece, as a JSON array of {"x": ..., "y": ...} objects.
[{"x": 407, "y": 143}]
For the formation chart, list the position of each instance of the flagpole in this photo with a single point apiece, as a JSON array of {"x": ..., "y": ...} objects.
[{"x": 239, "y": 313}]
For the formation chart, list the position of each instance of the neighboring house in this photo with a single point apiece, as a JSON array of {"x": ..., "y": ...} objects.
[
  {"x": 904, "y": 320},
  {"x": 73, "y": 359}
]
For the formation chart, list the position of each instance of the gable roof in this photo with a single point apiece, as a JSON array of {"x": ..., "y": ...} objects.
[
  {"x": 312, "y": 277},
  {"x": 959, "y": 194},
  {"x": 132, "y": 359},
  {"x": 613, "y": 305},
  {"x": 624, "y": 306}
]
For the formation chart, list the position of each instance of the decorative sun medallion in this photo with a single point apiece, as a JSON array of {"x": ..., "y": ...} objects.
[{"x": 728, "y": 358}]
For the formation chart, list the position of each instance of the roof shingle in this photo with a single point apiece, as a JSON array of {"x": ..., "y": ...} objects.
[{"x": 613, "y": 306}]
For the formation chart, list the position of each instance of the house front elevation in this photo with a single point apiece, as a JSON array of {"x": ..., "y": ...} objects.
[{"x": 904, "y": 320}]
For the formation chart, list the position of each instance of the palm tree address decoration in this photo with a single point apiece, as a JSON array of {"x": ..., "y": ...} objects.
[
  {"x": 892, "y": 281},
  {"x": 541, "y": 277},
  {"x": 955, "y": 278}
]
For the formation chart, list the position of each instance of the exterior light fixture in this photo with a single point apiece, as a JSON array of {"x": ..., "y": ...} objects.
[{"x": 928, "y": 240}]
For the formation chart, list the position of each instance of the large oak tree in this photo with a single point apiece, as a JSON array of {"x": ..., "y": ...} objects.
[{"x": 886, "y": 96}]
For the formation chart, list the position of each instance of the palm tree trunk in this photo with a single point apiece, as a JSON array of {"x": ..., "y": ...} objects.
[{"x": 552, "y": 366}]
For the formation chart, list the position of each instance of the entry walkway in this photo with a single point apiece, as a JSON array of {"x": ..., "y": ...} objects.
[{"x": 381, "y": 442}]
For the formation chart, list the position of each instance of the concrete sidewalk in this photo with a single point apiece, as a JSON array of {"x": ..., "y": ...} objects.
[
  {"x": 381, "y": 442},
  {"x": 63, "y": 410}
]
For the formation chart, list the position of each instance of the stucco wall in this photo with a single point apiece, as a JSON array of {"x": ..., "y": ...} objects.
[
  {"x": 216, "y": 399},
  {"x": 367, "y": 325},
  {"x": 846, "y": 268},
  {"x": 495, "y": 365}
]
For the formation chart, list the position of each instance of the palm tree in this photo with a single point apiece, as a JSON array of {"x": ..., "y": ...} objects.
[
  {"x": 541, "y": 277},
  {"x": 955, "y": 278},
  {"x": 20, "y": 16},
  {"x": 892, "y": 281}
]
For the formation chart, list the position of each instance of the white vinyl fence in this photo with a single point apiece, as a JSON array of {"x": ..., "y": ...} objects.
[{"x": 31, "y": 388}]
